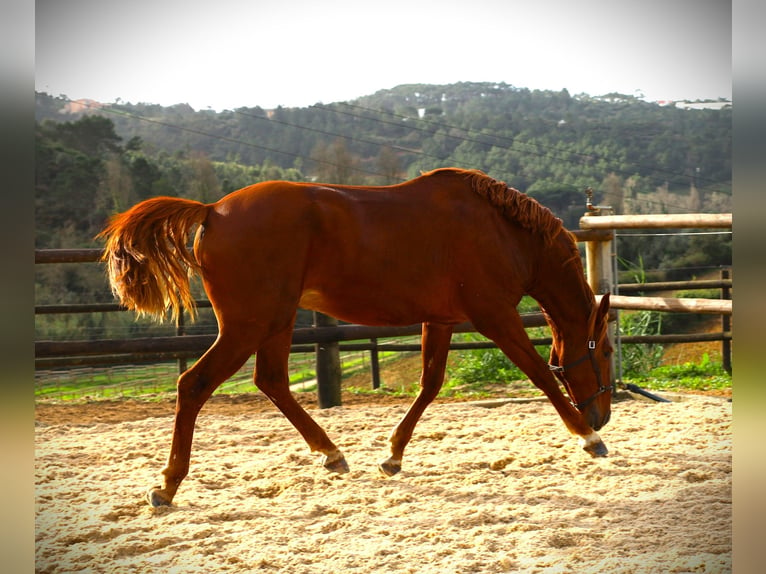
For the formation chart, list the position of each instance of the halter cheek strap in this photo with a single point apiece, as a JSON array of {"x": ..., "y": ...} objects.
[{"x": 558, "y": 370}]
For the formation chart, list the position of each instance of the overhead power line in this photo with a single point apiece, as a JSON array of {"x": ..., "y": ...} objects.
[
  {"x": 203, "y": 133},
  {"x": 510, "y": 141},
  {"x": 505, "y": 142},
  {"x": 334, "y": 135},
  {"x": 678, "y": 234}
]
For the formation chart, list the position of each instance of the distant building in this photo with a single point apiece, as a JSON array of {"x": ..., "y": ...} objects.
[{"x": 79, "y": 106}]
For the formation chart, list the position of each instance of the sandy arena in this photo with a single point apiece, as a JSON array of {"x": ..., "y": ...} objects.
[{"x": 502, "y": 489}]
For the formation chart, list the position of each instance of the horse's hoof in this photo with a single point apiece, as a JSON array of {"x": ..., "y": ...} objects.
[
  {"x": 597, "y": 449},
  {"x": 335, "y": 462},
  {"x": 390, "y": 467},
  {"x": 157, "y": 498},
  {"x": 593, "y": 445}
]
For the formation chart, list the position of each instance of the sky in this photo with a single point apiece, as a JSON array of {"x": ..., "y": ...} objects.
[{"x": 226, "y": 54}]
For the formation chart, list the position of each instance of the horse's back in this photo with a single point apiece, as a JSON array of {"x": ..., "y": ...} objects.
[
  {"x": 384, "y": 255},
  {"x": 418, "y": 214}
]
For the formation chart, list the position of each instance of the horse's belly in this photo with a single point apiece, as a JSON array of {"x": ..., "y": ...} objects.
[{"x": 366, "y": 307}]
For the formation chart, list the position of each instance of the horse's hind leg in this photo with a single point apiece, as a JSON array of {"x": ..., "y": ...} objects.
[
  {"x": 272, "y": 379},
  {"x": 194, "y": 387},
  {"x": 435, "y": 348}
]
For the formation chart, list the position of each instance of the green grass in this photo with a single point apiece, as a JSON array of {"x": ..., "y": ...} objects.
[
  {"x": 482, "y": 365},
  {"x": 706, "y": 375},
  {"x": 155, "y": 381},
  {"x": 385, "y": 391},
  {"x": 147, "y": 381},
  {"x": 474, "y": 374}
]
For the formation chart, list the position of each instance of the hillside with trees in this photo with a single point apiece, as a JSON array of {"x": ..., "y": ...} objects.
[{"x": 96, "y": 159}]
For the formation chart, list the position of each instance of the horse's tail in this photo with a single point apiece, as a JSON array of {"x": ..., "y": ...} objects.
[{"x": 149, "y": 263}]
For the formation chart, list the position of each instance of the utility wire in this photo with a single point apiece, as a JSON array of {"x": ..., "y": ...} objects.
[
  {"x": 217, "y": 136},
  {"x": 509, "y": 140},
  {"x": 437, "y": 126},
  {"x": 507, "y": 145},
  {"x": 336, "y": 135},
  {"x": 680, "y": 233}
]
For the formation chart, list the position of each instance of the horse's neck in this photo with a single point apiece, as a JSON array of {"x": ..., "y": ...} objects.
[{"x": 568, "y": 301}]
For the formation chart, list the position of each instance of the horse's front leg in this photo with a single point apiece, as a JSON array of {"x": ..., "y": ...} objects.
[
  {"x": 194, "y": 387},
  {"x": 271, "y": 377},
  {"x": 507, "y": 331},
  {"x": 435, "y": 348}
]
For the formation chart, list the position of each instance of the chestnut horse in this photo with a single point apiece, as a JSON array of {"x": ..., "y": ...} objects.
[{"x": 446, "y": 247}]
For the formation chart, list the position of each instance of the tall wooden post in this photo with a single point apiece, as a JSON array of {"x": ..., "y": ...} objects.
[
  {"x": 598, "y": 254},
  {"x": 599, "y": 263},
  {"x": 599, "y": 267},
  {"x": 726, "y": 326},
  {"x": 328, "y": 368},
  {"x": 181, "y": 330},
  {"x": 374, "y": 363}
]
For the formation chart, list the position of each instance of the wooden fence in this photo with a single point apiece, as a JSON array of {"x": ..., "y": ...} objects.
[
  {"x": 601, "y": 263},
  {"x": 597, "y": 231}
]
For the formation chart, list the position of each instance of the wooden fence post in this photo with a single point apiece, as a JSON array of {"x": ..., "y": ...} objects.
[
  {"x": 726, "y": 326},
  {"x": 599, "y": 263},
  {"x": 374, "y": 363},
  {"x": 181, "y": 330},
  {"x": 328, "y": 368}
]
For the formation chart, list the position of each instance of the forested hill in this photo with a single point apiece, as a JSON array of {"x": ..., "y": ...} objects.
[
  {"x": 93, "y": 160},
  {"x": 638, "y": 156},
  {"x": 527, "y": 138}
]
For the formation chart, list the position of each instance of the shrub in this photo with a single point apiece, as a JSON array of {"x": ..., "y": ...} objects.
[
  {"x": 640, "y": 358},
  {"x": 488, "y": 365},
  {"x": 706, "y": 375}
]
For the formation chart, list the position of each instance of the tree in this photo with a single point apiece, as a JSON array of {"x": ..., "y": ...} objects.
[
  {"x": 115, "y": 191},
  {"x": 334, "y": 163},
  {"x": 204, "y": 185},
  {"x": 66, "y": 185},
  {"x": 695, "y": 202},
  {"x": 92, "y": 135},
  {"x": 388, "y": 166},
  {"x": 613, "y": 192},
  {"x": 565, "y": 201}
]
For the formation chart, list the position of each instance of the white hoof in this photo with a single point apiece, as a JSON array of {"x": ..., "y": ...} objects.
[
  {"x": 590, "y": 440},
  {"x": 593, "y": 445}
]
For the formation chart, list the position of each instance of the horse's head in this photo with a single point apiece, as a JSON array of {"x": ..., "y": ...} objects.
[{"x": 586, "y": 370}]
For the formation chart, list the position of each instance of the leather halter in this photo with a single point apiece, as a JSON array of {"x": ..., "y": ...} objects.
[{"x": 558, "y": 370}]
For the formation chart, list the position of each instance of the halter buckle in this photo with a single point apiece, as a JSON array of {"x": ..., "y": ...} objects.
[{"x": 558, "y": 370}]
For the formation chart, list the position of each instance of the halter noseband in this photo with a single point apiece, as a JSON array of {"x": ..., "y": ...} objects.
[{"x": 558, "y": 370}]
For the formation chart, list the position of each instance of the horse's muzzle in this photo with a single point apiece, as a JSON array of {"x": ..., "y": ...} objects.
[{"x": 596, "y": 419}]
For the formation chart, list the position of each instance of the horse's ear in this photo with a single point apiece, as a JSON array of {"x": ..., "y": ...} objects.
[{"x": 603, "y": 309}]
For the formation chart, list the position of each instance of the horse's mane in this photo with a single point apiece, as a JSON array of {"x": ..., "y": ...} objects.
[
  {"x": 518, "y": 208},
  {"x": 515, "y": 205}
]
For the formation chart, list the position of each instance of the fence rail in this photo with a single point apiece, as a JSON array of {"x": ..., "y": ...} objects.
[
  {"x": 49, "y": 354},
  {"x": 671, "y": 304},
  {"x": 657, "y": 221},
  {"x": 597, "y": 232}
]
